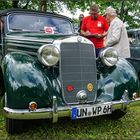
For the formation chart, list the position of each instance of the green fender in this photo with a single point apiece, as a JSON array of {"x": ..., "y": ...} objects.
[
  {"x": 27, "y": 80},
  {"x": 113, "y": 81}
]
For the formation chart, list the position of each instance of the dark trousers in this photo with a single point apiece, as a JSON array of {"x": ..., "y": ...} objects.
[{"x": 98, "y": 51}]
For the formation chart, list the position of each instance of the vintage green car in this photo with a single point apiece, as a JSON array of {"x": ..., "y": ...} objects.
[{"x": 48, "y": 71}]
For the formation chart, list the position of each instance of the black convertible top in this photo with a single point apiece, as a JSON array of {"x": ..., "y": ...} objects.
[{"x": 133, "y": 31}]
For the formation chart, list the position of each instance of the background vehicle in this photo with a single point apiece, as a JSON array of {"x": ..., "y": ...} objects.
[
  {"x": 134, "y": 40},
  {"x": 47, "y": 71}
]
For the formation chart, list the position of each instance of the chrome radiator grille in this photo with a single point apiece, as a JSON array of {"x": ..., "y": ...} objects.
[{"x": 77, "y": 69}]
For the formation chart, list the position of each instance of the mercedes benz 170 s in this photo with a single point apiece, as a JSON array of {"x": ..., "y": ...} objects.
[{"x": 49, "y": 71}]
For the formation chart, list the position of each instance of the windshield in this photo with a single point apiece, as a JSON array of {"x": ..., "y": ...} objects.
[{"x": 39, "y": 23}]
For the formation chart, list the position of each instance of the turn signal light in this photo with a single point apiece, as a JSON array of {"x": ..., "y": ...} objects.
[
  {"x": 90, "y": 87},
  {"x": 135, "y": 95},
  {"x": 32, "y": 106}
]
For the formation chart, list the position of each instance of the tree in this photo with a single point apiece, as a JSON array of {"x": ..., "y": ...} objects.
[
  {"x": 15, "y": 3},
  {"x": 127, "y": 10},
  {"x": 43, "y": 5}
]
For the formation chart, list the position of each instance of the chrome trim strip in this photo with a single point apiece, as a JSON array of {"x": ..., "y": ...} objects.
[
  {"x": 62, "y": 111},
  {"x": 21, "y": 51},
  {"x": 54, "y": 110},
  {"x": 74, "y": 39},
  {"x": 14, "y": 38},
  {"x": 28, "y": 46}
]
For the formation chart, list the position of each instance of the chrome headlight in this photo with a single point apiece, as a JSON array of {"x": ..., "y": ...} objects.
[
  {"x": 109, "y": 56},
  {"x": 48, "y": 55}
]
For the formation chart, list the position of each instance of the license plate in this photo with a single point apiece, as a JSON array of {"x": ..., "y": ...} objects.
[{"x": 90, "y": 111}]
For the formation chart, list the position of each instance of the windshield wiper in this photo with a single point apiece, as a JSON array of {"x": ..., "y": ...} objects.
[{"x": 15, "y": 29}]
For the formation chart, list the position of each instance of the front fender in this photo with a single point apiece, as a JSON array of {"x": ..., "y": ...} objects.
[
  {"x": 112, "y": 82},
  {"x": 25, "y": 81}
]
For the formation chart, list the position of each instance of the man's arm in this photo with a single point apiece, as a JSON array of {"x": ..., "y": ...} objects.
[
  {"x": 85, "y": 33},
  {"x": 115, "y": 35},
  {"x": 101, "y": 35}
]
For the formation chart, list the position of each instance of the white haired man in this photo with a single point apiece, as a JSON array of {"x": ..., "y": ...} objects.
[{"x": 117, "y": 35}]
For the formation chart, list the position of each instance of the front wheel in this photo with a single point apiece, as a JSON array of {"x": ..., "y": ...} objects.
[
  {"x": 117, "y": 114},
  {"x": 13, "y": 126}
]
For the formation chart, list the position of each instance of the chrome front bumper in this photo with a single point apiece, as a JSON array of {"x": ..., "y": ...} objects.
[{"x": 56, "y": 112}]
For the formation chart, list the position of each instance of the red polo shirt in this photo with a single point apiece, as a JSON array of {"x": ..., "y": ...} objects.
[{"x": 95, "y": 26}]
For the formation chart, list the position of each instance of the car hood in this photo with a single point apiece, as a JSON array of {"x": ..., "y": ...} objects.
[{"x": 27, "y": 42}]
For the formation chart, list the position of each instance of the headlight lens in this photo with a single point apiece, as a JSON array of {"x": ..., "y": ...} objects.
[
  {"x": 48, "y": 55},
  {"x": 109, "y": 56}
]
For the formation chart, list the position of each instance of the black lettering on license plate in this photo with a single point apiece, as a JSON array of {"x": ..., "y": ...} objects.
[
  {"x": 82, "y": 112},
  {"x": 92, "y": 111}
]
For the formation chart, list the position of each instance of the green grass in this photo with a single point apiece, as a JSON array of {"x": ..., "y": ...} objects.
[{"x": 127, "y": 127}]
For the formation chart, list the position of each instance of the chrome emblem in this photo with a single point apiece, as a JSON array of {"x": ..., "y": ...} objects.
[
  {"x": 81, "y": 96},
  {"x": 90, "y": 87},
  {"x": 79, "y": 39}
]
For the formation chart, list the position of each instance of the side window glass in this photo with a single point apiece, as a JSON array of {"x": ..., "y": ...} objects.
[
  {"x": 134, "y": 39},
  {"x": 1, "y": 29},
  {"x": 139, "y": 39}
]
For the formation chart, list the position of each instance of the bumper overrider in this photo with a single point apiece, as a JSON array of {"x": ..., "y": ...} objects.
[{"x": 68, "y": 111}]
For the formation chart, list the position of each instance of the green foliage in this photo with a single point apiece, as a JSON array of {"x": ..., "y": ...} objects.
[
  {"x": 5, "y": 5},
  {"x": 128, "y": 10}
]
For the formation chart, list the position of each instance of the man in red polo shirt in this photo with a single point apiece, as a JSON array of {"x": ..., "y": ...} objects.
[{"x": 94, "y": 27}]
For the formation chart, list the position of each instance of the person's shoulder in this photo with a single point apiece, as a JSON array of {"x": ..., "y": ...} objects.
[
  {"x": 87, "y": 18},
  {"x": 118, "y": 20},
  {"x": 102, "y": 18}
]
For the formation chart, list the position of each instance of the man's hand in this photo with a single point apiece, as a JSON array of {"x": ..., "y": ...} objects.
[
  {"x": 87, "y": 33},
  {"x": 98, "y": 36}
]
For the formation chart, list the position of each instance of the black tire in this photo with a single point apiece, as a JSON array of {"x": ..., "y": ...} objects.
[
  {"x": 14, "y": 126},
  {"x": 139, "y": 75},
  {"x": 2, "y": 89},
  {"x": 2, "y": 102},
  {"x": 117, "y": 114}
]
